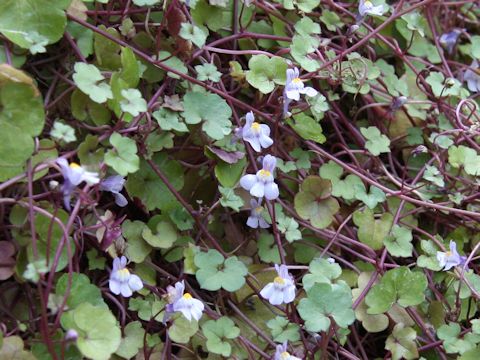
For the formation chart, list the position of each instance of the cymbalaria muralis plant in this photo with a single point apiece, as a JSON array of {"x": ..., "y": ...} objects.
[{"x": 239, "y": 179}]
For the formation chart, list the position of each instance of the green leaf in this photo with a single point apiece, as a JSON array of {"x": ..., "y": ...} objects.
[
  {"x": 443, "y": 87},
  {"x": 88, "y": 79},
  {"x": 132, "y": 340},
  {"x": 313, "y": 202},
  {"x": 208, "y": 72},
  {"x": 399, "y": 285},
  {"x": 174, "y": 62},
  {"x": 265, "y": 72},
  {"x": 475, "y": 46},
  {"x": 123, "y": 157},
  {"x": 346, "y": 188},
  {"x": 182, "y": 330},
  {"x": 429, "y": 260},
  {"x": 149, "y": 308},
  {"x": 81, "y": 290},
  {"x": 215, "y": 272},
  {"x": 230, "y": 199},
  {"x": 197, "y": 35},
  {"x": 399, "y": 242},
  {"x": 145, "y": 2},
  {"x": 433, "y": 175},
  {"x": 62, "y": 132},
  {"x": 324, "y": 302},
  {"x": 377, "y": 143},
  {"x": 13, "y": 349},
  {"x": 453, "y": 342},
  {"x": 306, "y": 26},
  {"x": 372, "y": 199},
  {"x": 150, "y": 189},
  {"x": 24, "y": 18},
  {"x": 283, "y": 330},
  {"x": 137, "y": 248},
  {"x": 371, "y": 231},
  {"x": 217, "y": 331},
  {"x": 321, "y": 271},
  {"x": 133, "y": 102},
  {"x": 98, "y": 333},
  {"x": 466, "y": 157},
  {"x": 229, "y": 174},
  {"x": 331, "y": 20},
  {"x": 289, "y": 227},
  {"x": 212, "y": 110},
  {"x": 307, "y": 128},
  {"x": 169, "y": 120},
  {"x": 21, "y": 118},
  {"x": 164, "y": 237},
  {"x": 267, "y": 248},
  {"x": 401, "y": 343}
]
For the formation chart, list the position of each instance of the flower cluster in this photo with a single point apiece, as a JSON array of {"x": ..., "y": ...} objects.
[{"x": 293, "y": 88}]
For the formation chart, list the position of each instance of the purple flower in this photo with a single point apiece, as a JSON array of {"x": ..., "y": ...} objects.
[
  {"x": 281, "y": 353},
  {"x": 449, "y": 40},
  {"x": 293, "y": 88},
  {"x": 451, "y": 258},
  {"x": 262, "y": 183},
  {"x": 365, "y": 7},
  {"x": 73, "y": 175},
  {"x": 183, "y": 302},
  {"x": 282, "y": 289},
  {"x": 256, "y": 219},
  {"x": 472, "y": 77},
  {"x": 121, "y": 280},
  {"x": 257, "y": 135},
  {"x": 114, "y": 184}
]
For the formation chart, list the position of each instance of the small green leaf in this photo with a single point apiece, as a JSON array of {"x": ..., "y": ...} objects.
[
  {"x": 399, "y": 242},
  {"x": 433, "y": 175},
  {"x": 265, "y": 72},
  {"x": 324, "y": 302},
  {"x": 371, "y": 231},
  {"x": 268, "y": 249},
  {"x": 401, "y": 343},
  {"x": 377, "y": 143},
  {"x": 164, "y": 237},
  {"x": 123, "y": 158},
  {"x": 215, "y": 272},
  {"x": 321, "y": 271},
  {"x": 399, "y": 285},
  {"x": 88, "y": 79},
  {"x": 372, "y": 199},
  {"x": 81, "y": 290},
  {"x": 63, "y": 132},
  {"x": 307, "y": 128},
  {"x": 98, "y": 333},
  {"x": 133, "y": 102},
  {"x": 182, "y": 330},
  {"x": 208, "y": 72},
  {"x": 283, "y": 330},
  {"x": 132, "y": 340},
  {"x": 169, "y": 120},
  {"x": 217, "y": 331},
  {"x": 197, "y": 35},
  {"x": 137, "y": 248},
  {"x": 230, "y": 199},
  {"x": 212, "y": 110},
  {"x": 313, "y": 202}
]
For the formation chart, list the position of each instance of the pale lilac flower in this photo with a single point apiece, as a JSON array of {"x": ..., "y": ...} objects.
[
  {"x": 262, "y": 183},
  {"x": 281, "y": 353},
  {"x": 256, "y": 219},
  {"x": 282, "y": 289},
  {"x": 451, "y": 258},
  {"x": 71, "y": 335},
  {"x": 114, "y": 184},
  {"x": 472, "y": 77},
  {"x": 73, "y": 175},
  {"x": 293, "y": 88},
  {"x": 257, "y": 135},
  {"x": 449, "y": 40},
  {"x": 121, "y": 280},
  {"x": 365, "y": 7},
  {"x": 183, "y": 302}
]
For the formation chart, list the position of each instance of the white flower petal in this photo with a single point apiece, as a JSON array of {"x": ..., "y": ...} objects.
[
  {"x": 293, "y": 94},
  {"x": 309, "y": 91},
  {"x": 252, "y": 222},
  {"x": 263, "y": 224},
  {"x": 271, "y": 191},
  {"x": 125, "y": 290},
  {"x": 257, "y": 189},
  {"x": 135, "y": 283},
  {"x": 254, "y": 142},
  {"x": 248, "y": 181},
  {"x": 276, "y": 298},
  {"x": 265, "y": 141},
  {"x": 114, "y": 286},
  {"x": 267, "y": 291}
]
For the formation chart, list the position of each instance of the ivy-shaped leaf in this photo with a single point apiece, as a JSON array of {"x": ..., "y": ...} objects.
[
  {"x": 123, "y": 157},
  {"x": 265, "y": 72},
  {"x": 371, "y": 231},
  {"x": 377, "y": 143},
  {"x": 217, "y": 332}
]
